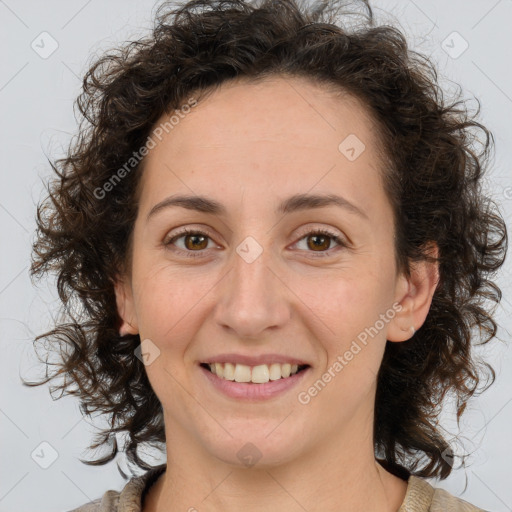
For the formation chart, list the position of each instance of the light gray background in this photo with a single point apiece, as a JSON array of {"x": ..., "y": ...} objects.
[{"x": 36, "y": 102}]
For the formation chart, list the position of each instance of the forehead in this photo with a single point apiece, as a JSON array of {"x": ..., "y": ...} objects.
[
  {"x": 274, "y": 110},
  {"x": 280, "y": 133}
]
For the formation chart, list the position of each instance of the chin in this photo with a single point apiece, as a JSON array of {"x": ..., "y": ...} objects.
[{"x": 256, "y": 448}]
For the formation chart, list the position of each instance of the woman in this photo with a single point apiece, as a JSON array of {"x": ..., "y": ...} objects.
[{"x": 271, "y": 240}]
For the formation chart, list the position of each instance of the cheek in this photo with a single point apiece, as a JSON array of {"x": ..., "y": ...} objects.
[
  {"x": 169, "y": 309},
  {"x": 346, "y": 302},
  {"x": 353, "y": 339},
  {"x": 169, "y": 303},
  {"x": 349, "y": 307}
]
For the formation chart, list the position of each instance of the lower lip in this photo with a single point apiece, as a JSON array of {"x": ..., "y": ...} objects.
[{"x": 251, "y": 391}]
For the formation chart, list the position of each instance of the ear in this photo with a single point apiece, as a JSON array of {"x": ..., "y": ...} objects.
[
  {"x": 125, "y": 306},
  {"x": 414, "y": 295}
]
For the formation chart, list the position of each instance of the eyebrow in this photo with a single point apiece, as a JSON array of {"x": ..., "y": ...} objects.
[{"x": 295, "y": 203}]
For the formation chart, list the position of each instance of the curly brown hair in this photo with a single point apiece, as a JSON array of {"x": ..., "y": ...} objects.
[{"x": 433, "y": 178}]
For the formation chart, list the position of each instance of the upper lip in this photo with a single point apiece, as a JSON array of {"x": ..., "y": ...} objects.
[{"x": 253, "y": 360}]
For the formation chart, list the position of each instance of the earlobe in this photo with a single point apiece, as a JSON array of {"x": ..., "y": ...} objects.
[
  {"x": 127, "y": 328},
  {"x": 414, "y": 295},
  {"x": 125, "y": 309}
]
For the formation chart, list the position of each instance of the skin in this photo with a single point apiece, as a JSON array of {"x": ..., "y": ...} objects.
[{"x": 250, "y": 146}]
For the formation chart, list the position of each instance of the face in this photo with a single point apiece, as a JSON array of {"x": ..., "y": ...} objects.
[{"x": 264, "y": 275}]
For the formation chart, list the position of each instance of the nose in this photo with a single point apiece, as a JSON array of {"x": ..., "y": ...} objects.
[{"x": 252, "y": 298}]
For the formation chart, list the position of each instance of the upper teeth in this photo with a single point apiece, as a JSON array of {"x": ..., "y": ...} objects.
[{"x": 257, "y": 374}]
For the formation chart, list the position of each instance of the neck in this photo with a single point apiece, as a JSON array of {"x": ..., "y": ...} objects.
[{"x": 341, "y": 476}]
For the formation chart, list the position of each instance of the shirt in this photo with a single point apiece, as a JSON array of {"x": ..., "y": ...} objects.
[{"x": 420, "y": 496}]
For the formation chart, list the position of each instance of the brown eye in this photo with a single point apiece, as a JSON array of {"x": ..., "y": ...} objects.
[
  {"x": 319, "y": 242},
  {"x": 195, "y": 241},
  {"x": 192, "y": 243}
]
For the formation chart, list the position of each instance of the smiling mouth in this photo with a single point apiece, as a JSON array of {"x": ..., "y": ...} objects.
[{"x": 259, "y": 374}]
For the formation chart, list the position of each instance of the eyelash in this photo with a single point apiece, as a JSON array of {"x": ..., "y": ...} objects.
[{"x": 197, "y": 254}]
